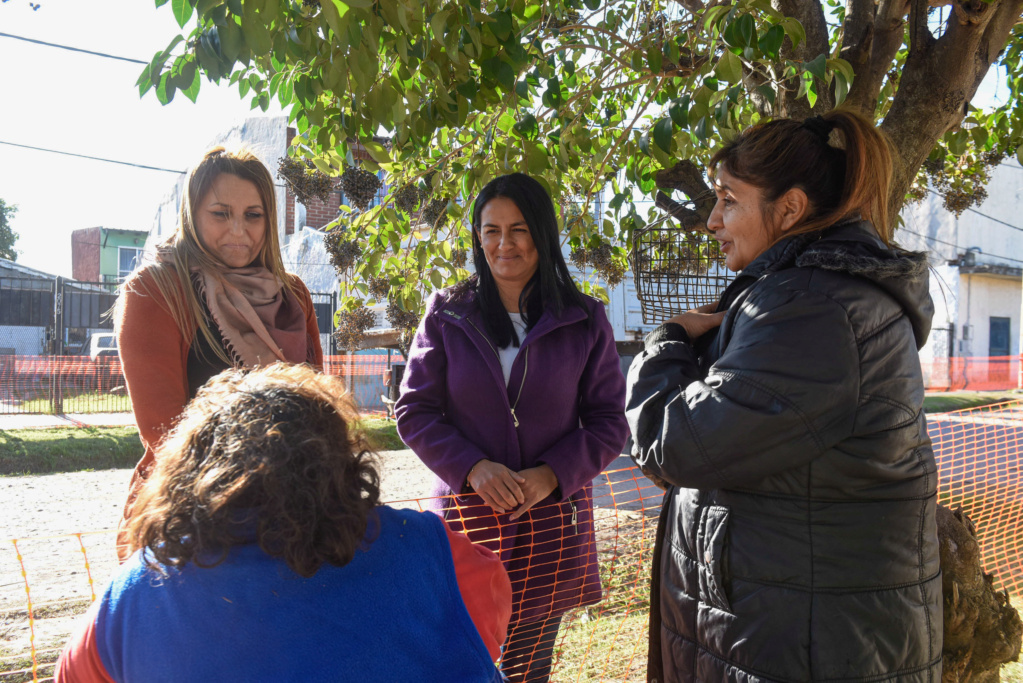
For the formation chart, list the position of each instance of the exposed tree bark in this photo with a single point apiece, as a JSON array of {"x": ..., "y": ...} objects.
[
  {"x": 687, "y": 177},
  {"x": 871, "y": 41},
  {"x": 810, "y": 14},
  {"x": 982, "y": 631},
  {"x": 940, "y": 77}
]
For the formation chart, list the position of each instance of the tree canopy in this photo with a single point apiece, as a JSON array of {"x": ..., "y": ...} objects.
[
  {"x": 7, "y": 235},
  {"x": 626, "y": 96}
]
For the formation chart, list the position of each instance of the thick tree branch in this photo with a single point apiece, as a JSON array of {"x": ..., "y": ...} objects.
[
  {"x": 811, "y": 15},
  {"x": 687, "y": 177},
  {"x": 858, "y": 33},
  {"x": 881, "y": 40},
  {"x": 940, "y": 77}
]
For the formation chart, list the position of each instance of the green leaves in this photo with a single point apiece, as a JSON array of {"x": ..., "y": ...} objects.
[
  {"x": 662, "y": 132},
  {"x": 729, "y": 68},
  {"x": 333, "y": 12},
  {"x": 466, "y": 91},
  {"x": 182, "y": 10},
  {"x": 740, "y": 32},
  {"x": 770, "y": 42}
]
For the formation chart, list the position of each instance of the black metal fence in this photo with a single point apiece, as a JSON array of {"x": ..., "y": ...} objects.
[{"x": 56, "y": 350}]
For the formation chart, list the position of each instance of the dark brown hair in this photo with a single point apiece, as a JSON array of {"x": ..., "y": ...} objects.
[
  {"x": 839, "y": 181},
  {"x": 267, "y": 455}
]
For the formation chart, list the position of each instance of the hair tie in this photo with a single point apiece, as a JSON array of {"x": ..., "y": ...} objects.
[{"x": 819, "y": 127}]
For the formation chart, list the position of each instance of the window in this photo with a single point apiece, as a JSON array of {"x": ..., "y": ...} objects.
[{"x": 127, "y": 259}]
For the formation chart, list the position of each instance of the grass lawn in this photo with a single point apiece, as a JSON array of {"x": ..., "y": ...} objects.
[
  {"x": 72, "y": 449},
  {"x": 68, "y": 449},
  {"x": 80, "y": 403},
  {"x": 961, "y": 400},
  {"x": 382, "y": 434}
]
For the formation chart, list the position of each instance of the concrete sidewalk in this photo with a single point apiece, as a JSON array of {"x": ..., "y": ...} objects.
[{"x": 32, "y": 421}]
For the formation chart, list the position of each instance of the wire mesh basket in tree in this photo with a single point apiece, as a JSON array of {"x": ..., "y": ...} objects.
[{"x": 676, "y": 269}]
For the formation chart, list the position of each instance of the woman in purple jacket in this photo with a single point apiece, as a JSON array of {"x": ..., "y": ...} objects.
[{"x": 514, "y": 397}]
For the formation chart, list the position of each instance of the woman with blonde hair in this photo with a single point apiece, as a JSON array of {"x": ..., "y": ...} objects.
[{"x": 214, "y": 295}]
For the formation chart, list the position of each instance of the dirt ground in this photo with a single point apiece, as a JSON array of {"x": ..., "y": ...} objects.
[
  {"x": 58, "y": 529},
  {"x": 64, "y": 571}
]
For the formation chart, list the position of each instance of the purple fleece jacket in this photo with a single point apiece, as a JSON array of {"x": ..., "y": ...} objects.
[{"x": 568, "y": 395}]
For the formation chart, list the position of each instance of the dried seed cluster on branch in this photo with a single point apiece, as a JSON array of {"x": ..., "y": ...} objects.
[
  {"x": 404, "y": 321},
  {"x": 359, "y": 186},
  {"x": 379, "y": 287},
  {"x": 407, "y": 198},
  {"x": 343, "y": 251},
  {"x": 601, "y": 259},
  {"x": 434, "y": 213},
  {"x": 305, "y": 180},
  {"x": 352, "y": 326}
]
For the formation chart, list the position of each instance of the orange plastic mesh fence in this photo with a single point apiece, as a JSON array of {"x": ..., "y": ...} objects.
[
  {"x": 62, "y": 384},
  {"x": 79, "y": 384},
  {"x": 996, "y": 373},
  {"x": 46, "y": 583},
  {"x": 980, "y": 468}
]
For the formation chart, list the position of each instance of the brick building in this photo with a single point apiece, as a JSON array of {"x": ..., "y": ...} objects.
[{"x": 317, "y": 214}]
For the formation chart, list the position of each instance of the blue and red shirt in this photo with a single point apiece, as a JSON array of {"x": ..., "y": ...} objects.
[{"x": 419, "y": 603}]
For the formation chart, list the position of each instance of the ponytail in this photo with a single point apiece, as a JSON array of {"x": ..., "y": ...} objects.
[{"x": 840, "y": 182}]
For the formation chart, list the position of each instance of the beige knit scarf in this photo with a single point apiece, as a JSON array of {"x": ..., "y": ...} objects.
[{"x": 259, "y": 319}]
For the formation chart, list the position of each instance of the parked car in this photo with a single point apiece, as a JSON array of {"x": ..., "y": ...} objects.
[{"x": 102, "y": 344}]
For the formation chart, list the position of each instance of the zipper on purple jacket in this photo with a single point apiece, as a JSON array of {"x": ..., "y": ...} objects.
[{"x": 515, "y": 419}]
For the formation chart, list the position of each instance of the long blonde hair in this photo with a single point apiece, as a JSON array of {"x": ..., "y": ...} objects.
[{"x": 170, "y": 268}]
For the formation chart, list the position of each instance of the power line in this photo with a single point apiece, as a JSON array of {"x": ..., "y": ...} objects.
[
  {"x": 109, "y": 161},
  {"x": 957, "y": 246},
  {"x": 990, "y": 218},
  {"x": 73, "y": 49},
  {"x": 85, "y": 156}
]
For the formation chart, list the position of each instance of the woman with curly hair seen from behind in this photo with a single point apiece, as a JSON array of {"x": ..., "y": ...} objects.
[
  {"x": 262, "y": 554},
  {"x": 214, "y": 295}
]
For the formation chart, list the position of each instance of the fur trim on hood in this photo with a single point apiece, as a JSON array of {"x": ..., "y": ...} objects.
[{"x": 875, "y": 265}]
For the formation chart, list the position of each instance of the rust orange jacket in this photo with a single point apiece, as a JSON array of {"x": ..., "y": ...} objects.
[{"x": 154, "y": 359}]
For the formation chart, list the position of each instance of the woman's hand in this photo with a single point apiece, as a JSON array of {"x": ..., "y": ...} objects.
[
  {"x": 498, "y": 486},
  {"x": 699, "y": 321},
  {"x": 539, "y": 482}
]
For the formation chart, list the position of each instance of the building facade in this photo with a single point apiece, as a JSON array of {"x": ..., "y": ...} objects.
[{"x": 105, "y": 255}]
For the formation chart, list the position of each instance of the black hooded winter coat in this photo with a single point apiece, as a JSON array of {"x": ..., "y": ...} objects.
[{"x": 797, "y": 541}]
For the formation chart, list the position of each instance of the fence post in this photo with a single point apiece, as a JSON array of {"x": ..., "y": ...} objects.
[
  {"x": 56, "y": 383},
  {"x": 330, "y": 332}
]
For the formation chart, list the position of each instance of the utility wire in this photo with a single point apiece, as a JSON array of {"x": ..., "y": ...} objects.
[
  {"x": 109, "y": 161},
  {"x": 957, "y": 246},
  {"x": 73, "y": 49},
  {"x": 85, "y": 156},
  {"x": 990, "y": 218}
]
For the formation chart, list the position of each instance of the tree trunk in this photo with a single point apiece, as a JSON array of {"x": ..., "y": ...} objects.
[{"x": 982, "y": 629}]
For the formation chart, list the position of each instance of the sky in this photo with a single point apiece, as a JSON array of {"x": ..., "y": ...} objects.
[{"x": 89, "y": 105}]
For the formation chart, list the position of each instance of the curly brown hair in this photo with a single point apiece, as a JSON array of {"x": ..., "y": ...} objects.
[{"x": 269, "y": 453}]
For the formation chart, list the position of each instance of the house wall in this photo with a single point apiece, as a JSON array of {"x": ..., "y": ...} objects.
[
  {"x": 85, "y": 248},
  {"x": 109, "y": 256},
  {"x": 990, "y": 234},
  {"x": 985, "y": 296},
  {"x": 25, "y": 341}
]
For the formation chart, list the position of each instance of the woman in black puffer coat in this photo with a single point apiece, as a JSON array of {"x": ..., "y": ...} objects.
[{"x": 797, "y": 541}]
